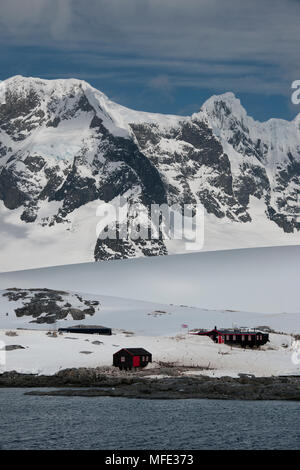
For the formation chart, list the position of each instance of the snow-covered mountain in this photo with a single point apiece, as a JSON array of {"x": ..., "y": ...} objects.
[{"x": 64, "y": 146}]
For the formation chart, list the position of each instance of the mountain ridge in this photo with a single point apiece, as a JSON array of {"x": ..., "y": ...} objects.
[{"x": 65, "y": 145}]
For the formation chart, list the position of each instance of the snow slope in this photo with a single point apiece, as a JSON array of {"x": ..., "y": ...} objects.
[
  {"x": 214, "y": 287},
  {"x": 45, "y": 354},
  {"x": 146, "y": 318},
  {"x": 156, "y": 327},
  {"x": 75, "y": 241},
  {"x": 263, "y": 280}
]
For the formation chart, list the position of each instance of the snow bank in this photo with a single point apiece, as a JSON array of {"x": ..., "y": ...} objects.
[{"x": 46, "y": 354}]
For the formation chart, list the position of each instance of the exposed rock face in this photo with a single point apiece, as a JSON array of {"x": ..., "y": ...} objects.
[
  {"x": 48, "y": 306},
  {"x": 13, "y": 347},
  {"x": 226, "y": 388},
  {"x": 63, "y": 145}
]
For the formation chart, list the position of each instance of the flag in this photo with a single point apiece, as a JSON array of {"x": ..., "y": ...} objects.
[{"x": 184, "y": 325}]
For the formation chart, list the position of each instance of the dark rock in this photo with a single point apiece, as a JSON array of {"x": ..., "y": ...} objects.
[
  {"x": 134, "y": 386},
  {"x": 12, "y": 347},
  {"x": 47, "y": 305},
  {"x": 10, "y": 194}
]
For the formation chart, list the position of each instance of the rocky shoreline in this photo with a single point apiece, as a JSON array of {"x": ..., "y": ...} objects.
[{"x": 94, "y": 382}]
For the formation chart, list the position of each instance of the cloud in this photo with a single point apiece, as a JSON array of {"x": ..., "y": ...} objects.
[
  {"x": 252, "y": 45},
  {"x": 63, "y": 19},
  {"x": 161, "y": 83},
  {"x": 33, "y": 21}
]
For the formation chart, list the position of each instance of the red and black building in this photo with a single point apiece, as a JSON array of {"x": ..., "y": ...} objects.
[
  {"x": 234, "y": 336},
  {"x": 128, "y": 358}
]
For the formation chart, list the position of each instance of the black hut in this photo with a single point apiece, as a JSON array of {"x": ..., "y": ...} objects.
[
  {"x": 88, "y": 330},
  {"x": 128, "y": 358}
]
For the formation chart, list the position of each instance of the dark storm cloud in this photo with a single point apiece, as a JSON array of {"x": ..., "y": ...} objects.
[{"x": 252, "y": 46}]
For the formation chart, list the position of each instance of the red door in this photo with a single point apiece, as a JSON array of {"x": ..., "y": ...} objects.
[
  {"x": 220, "y": 339},
  {"x": 136, "y": 361}
]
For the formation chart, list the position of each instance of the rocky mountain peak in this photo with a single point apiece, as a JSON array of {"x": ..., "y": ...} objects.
[{"x": 226, "y": 104}]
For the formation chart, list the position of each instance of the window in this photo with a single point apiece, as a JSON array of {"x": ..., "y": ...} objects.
[
  {"x": 234, "y": 337},
  {"x": 143, "y": 358},
  {"x": 243, "y": 337},
  {"x": 249, "y": 337},
  {"x": 227, "y": 337},
  {"x": 147, "y": 359},
  {"x": 122, "y": 358}
]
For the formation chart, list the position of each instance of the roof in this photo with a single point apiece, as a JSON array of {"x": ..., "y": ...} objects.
[
  {"x": 85, "y": 327},
  {"x": 135, "y": 351},
  {"x": 238, "y": 332},
  {"x": 232, "y": 331}
]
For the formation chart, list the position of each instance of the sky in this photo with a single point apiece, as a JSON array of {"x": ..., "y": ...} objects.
[{"x": 164, "y": 56}]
